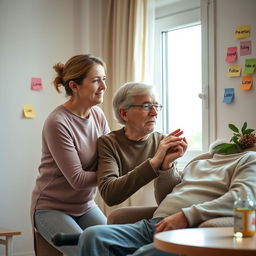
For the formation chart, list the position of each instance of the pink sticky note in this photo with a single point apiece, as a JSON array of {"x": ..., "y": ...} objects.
[
  {"x": 231, "y": 54},
  {"x": 36, "y": 84},
  {"x": 245, "y": 48}
]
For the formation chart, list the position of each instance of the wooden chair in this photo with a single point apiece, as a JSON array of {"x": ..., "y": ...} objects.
[{"x": 44, "y": 248}]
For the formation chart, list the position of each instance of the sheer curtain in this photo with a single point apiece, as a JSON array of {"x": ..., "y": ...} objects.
[
  {"x": 128, "y": 26},
  {"x": 125, "y": 45}
]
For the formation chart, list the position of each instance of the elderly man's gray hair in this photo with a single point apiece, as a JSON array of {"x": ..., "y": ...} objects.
[{"x": 124, "y": 96}]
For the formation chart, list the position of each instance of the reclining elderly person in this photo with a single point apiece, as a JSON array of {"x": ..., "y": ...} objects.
[{"x": 133, "y": 156}]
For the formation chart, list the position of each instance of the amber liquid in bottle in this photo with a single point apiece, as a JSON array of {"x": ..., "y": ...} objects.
[{"x": 244, "y": 216}]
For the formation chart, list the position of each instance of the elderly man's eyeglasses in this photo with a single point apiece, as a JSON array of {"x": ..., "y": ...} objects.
[{"x": 147, "y": 107}]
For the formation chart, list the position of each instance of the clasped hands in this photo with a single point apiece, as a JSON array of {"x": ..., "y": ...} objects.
[{"x": 170, "y": 148}]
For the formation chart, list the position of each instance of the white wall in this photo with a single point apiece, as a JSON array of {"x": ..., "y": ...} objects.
[
  {"x": 35, "y": 34},
  {"x": 229, "y": 15},
  {"x": 89, "y": 28}
]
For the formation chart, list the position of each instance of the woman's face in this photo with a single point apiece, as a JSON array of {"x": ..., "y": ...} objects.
[{"x": 92, "y": 88}]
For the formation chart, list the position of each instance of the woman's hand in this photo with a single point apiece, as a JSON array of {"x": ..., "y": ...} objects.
[{"x": 171, "y": 142}]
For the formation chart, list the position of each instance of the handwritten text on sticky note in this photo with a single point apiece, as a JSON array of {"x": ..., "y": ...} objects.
[
  {"x": 234, "y": 70},
  {"x": 250, "y": 66},
  {"x": 243, "y": 31},
  {"x": 245, "y": 48},
  {"x": 229, "y": 94},
  {"x": 36, "y": 84},
  {"x": 247, "y": 83},
  {"x": 28, "y": 111},
  {"x": 231, "y": 54}
]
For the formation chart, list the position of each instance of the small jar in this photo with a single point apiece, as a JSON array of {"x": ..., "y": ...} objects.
[{"x": 244, "y": 215}]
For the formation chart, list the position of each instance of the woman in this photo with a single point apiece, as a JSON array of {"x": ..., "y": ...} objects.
[
  {"x": 133, "y": 156},
  {"x": 63, "y": 197}
]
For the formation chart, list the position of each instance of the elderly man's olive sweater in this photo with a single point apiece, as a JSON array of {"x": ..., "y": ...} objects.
[{"x": 124, "y": 167}]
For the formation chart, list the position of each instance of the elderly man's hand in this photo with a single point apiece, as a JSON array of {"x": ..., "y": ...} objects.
[
  {"x": 173, "y": 153},
  {"x": 170, "y": 142},
  {"x": 175, "y": 221}
]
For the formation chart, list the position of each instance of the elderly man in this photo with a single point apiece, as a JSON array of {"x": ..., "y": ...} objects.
[
  {"x": 205, "y": 190},
  {"x": 133, "y": 156}
]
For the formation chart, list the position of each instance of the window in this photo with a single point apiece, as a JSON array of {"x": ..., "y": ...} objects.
[
  {"x": 179, "y": 75},
  {"x": 182, "y": 83}
]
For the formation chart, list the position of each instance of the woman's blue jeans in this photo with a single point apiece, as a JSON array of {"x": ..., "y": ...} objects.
[
  {"x": 120, "y": 240},
  {"x": 50, "y": 222}
]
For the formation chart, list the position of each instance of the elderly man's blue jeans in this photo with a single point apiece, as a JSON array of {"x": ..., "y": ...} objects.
[{"x": 120, "y": 240}]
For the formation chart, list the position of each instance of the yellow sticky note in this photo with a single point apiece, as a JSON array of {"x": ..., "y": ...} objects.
[
  {"x": 29, "y": 111},
  {"x": 246, "y": 83},
  {"x": 234, "y": 71},
  {"x": 243, "y": 31}
]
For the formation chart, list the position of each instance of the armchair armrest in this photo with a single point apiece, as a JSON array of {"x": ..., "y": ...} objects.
[
  {"x": 218, "y": 222},
  {"x": 130, "y": 214}
]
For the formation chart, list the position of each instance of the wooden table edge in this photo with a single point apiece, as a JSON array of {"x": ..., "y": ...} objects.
[
  {"x": 200, "y": 250},
  {"x": 9, "y": 232}
]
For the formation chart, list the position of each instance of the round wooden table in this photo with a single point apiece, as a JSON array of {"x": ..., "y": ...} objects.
[{"x": 205, "y": 242}]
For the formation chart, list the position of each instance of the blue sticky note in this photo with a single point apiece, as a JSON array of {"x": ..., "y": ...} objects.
[{"x": 229, "y": 94}]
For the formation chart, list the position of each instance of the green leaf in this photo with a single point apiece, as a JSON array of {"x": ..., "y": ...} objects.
[
  {"x": 235, "y": 139},
  {"x": 244, "y": 128},
  {"x": 248, "y": 131},
  {"x": 227, "y": 148},
  {"x": 233, "y": 128}
]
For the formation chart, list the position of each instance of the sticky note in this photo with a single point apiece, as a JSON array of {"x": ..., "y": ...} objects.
[
  {"x": 28, "y": 111},
  {"x": 245, "y": 48},
  {"x": 234, "y": 70},
  {"x": 250, "y": 66},
  {"x": 243, "y": 31},
  {"x": 229, "y": 94},
  {"x": 247, "y": 82},
  {"x": 231, "y": 54},
  {"x": 36, "y": 84}
]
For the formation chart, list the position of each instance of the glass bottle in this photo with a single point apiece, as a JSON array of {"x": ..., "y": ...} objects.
[{"x": 244, "y": 215}]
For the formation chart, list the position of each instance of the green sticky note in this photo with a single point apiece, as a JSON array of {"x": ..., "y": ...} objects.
[{"x": 250, "y": 66}]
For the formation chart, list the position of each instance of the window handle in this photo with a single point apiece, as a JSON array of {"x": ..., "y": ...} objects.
[{"x": 202, "y": 96}]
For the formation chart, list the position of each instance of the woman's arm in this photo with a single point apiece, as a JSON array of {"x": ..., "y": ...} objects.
[{"x": 58, "y": 140}]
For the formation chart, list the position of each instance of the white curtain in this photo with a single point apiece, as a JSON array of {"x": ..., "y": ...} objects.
[{"x": 127, "y": 47}]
